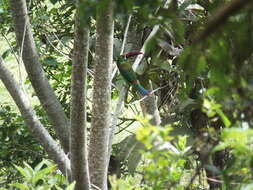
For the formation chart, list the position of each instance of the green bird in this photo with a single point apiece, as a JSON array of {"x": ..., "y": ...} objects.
[{"x": 128, "y": 74}]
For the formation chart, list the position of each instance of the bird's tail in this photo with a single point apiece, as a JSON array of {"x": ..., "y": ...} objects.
[{"x": 141, "y": 89}]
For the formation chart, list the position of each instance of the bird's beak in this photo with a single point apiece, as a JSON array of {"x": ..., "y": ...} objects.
[{"x": 132, "y": 53}]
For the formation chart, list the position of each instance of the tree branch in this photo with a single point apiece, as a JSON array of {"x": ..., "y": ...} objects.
[
  {"x": 36, "y": 74},
  {"x": 32, "y": 122},
  {"x": 150, "y": 37},
  {"x": 219, "y": 18},
  {"x": 122, "y": 93}
]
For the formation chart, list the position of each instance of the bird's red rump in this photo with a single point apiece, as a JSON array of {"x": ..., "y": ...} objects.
[
  {"x": 134, "y": 82},
  {"x": 132, "y": 53}
]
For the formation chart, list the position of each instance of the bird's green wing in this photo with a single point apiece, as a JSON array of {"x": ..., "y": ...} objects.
[
  {"x": 129, "y": 75},
  {"x": 126, "y": 71}
]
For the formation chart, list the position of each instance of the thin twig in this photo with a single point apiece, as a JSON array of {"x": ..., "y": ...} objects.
[
  {"x": 66, "y": 158},
  {"x": 21, "y": 52},
  {"x": 17, "y": 59},
  {"x": 125, "y": 34},
  {"x": 123, "y": 44},
  {"x": 144, "y": 97},
  {"x": 214, "y": 180},
  {"x": 115, "y": 118},
  {"x": 96, "y": 187},
  {"x": 140, "y": 56},
  {"x": 64, "y": 45},
  {"x": 90, "y": 72},
  {"x": 125, "y": 128},
  {"x": 12, "y": 50},
  {"x": 121, "y": 95},
  {"x": 56, "y": 49}
]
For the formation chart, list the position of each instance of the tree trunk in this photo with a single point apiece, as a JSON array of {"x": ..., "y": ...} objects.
[
  {"x": 78, "y": 150},
  {"x": 35, "y": 72},
  {"x": 101, "y": 113}
]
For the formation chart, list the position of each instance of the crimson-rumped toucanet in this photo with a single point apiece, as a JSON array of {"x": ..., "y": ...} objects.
[{"x": 128, "y": 74}]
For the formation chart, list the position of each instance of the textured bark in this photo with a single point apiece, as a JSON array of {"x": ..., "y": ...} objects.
[
  {"x": 101, "y": 98},
  {"x": 78, "y": 150},
  {"x": 35, "y": 72},
  {"x": 35, "y": 127}
]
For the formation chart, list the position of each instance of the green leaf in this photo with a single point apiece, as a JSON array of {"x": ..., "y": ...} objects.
[
  {"x": 201, "y": 64},
  {"x": 224, "y": 118},
  {"x": 53, "y": 1},
  {"x": 248, "y": 187},
  {"x": 181, "y": 145},
  {"x": 39, "y": 166},
  {"x": 58, "y": 188},
  {"x": 20, "y": 186},
  {"x": 42, "y": 173},
  {"x": 71, "y": 186},
  {"x": 6, "y": 53},
  {"x": 51, "y": 61},
  {"x": 213, "y": 169},
  {"x": 187, "y": 104},
  {"x": 150, "y": 44},
  {"x": 24, "y": 172},
  {"x": 29, "y": 168},
  {"x": 220, "y": 146}
]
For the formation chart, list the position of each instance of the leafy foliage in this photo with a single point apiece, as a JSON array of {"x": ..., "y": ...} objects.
[
  {"x": 205, "y": 103},
  {"x": 16, "y": 144},
  {"x": 165, "y": 165},
  {"x": 170, "y": 163},
  {"x": 43, "y": 177},
  {"x": 238, "y": 141}
]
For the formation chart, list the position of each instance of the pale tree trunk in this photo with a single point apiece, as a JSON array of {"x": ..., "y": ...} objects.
[
  {"x": 35, "y": 127},
  {"x": 35, "y": 72},
  {"x": 101, "y": 113},
  {"x": 78, "y": 150},
  {"x": 149, "y": 107}
]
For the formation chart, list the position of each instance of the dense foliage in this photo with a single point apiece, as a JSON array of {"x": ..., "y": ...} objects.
[{"x": 206, "y": 99}]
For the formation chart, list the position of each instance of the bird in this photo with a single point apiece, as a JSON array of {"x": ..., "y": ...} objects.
[{"x": 128, "y": 73}]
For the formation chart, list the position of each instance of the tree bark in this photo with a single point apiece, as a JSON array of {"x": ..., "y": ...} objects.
[
  {"x": 101, "y": 98},
  {"x": 35, "y": 72},
  {"x": 35, "y": 127},
  {"x": 78, "y": 150}
]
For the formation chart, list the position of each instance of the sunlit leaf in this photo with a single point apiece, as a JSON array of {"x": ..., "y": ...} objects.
[
  {"x": 20, "y": 186},
  {"x": 71, "y": 186},
  {"x": 43, "y": 173},
  {"x": 24, "y": 172}
]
